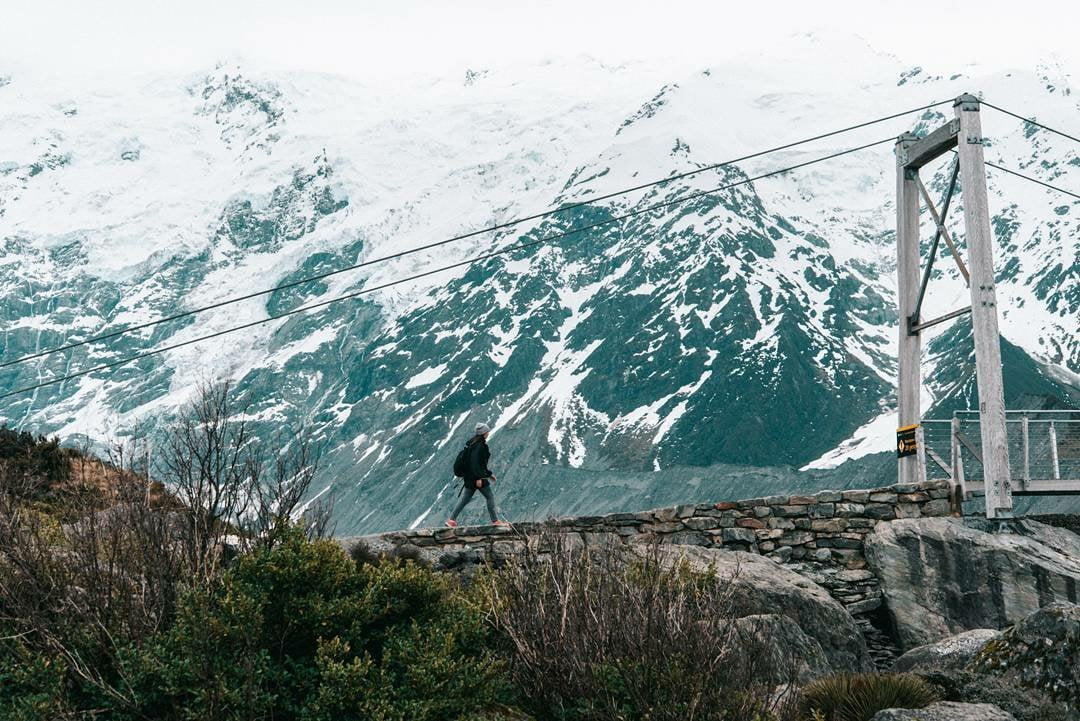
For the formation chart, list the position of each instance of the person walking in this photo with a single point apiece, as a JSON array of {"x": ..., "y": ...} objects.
[{"x": 472, "y": 466}]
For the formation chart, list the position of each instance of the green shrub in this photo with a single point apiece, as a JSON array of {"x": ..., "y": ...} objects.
[
  {"x": 857, "y": 697},
  {"x": 31, "y": 686},
  {"x": 303, "y": 632},
  {"x": 34, "y": 456}
]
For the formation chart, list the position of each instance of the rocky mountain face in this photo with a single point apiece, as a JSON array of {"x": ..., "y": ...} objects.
[{"x": 654, "y": 355}]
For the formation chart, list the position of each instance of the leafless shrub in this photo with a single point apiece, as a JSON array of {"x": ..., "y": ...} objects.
[
  {"x": 279, "y": 494},
  {"x": 103, "y": 569},
  {"x": 103, "y": 561},
  {"x": 208, "y": 461},
  {"x": 232, "y": 488},
  {"x": 603, "y": 632}
]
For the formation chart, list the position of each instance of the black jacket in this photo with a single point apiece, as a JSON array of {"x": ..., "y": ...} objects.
[{"x": 477, "y": 467}]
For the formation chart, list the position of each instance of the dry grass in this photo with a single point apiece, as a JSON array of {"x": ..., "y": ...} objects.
[{"x": 858, "y": 697}]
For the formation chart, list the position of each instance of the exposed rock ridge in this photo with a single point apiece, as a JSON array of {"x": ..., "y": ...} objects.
[{"x": 946, "y": 711}]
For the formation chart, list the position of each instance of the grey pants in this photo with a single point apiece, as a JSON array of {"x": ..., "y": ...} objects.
[{"x": 467, "y": 495}]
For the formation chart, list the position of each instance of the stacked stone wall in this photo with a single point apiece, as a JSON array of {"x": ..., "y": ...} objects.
[{"x": 820, "y": 534}]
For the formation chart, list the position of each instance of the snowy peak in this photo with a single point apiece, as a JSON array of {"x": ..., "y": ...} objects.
[
  {"x": 751, "y": 324},
  {"x": 250, "y": 114}
]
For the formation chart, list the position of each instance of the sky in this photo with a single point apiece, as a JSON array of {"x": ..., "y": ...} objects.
[{"x": 392, "y": 38}]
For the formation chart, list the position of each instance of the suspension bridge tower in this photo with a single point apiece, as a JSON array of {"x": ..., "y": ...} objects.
[{"x": 962, "y": 134}]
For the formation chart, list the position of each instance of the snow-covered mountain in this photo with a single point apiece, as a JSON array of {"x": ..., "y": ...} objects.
[{"x": 752, "y": 326}]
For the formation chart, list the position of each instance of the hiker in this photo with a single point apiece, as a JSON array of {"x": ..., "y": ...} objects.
[{"x": 471, "y": 466}]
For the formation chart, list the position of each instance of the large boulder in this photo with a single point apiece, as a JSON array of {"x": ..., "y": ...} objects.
[
  {"x": 950, "y": 653},
  {"x": 762, "y": 586},
  {"x": 1041, "y": 652},
  {"x": 1031, "y": 670},
  {"x": 789, "y": 652},
  {"x": 946, "y": 711},
  {"x": 941, "y": 576}
]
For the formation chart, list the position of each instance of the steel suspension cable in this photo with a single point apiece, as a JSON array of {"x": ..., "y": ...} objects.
[
  {"x": 1033, "y": 180},
  {"x": 456, "y": 238},
  {"x": 451, "y": 266},
  {"x": 1029, "y": 120}
]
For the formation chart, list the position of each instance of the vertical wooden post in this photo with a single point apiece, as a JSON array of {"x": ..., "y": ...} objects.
[
  {"x": 1027, "y": 450},
  {"x": 958, "y": 463},
  {"x": 907, "y": 269},
  {"x": 1054, "y": 467},
  {"x": 995, "y": 451}
]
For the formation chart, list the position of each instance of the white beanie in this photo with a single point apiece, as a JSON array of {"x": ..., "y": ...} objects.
[{"x": 482, "y": 428}]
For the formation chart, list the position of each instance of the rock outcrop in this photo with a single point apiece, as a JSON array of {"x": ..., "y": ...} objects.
[
  {"x": 1031, "y": 670},
  {"x": 762, "y": 586},
  {"x": 946, "y": 711},
  {"x": 1041, "y": 652},
  {"x": 941, "y": 576},
  {"x": 950, "y": 653}
]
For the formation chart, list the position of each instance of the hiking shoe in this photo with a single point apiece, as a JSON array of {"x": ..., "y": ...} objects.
[
  {"x": 452, "y": 523},
  {"x": 500, "y": 523}
]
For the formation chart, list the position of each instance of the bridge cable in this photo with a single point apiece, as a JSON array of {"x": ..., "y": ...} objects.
[
  {"x": 1029, "y": 120},
  {"x": 1033, "y": 180},
  {"x": 468, "y": 261},
  {"x": 429, "y": 246}
]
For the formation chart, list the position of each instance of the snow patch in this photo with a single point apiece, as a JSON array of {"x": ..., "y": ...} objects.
[
  {"x": 873, "y": 437},
  {"x": 426, "y": 376}
]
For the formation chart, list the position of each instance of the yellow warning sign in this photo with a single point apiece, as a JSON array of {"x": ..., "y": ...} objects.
[{"x": 906, "y": 443}]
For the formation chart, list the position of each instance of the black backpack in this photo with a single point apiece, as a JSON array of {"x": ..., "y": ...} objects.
[{"x": 464, "y": 458}]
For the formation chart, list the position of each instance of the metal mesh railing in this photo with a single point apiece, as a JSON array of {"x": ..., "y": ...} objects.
[
  {"x": 937, "y": 437},
  {"x": 1044, "y": 446}
]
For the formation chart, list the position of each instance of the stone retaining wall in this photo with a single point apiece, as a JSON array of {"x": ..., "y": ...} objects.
[{"x": 821, "y": 535}]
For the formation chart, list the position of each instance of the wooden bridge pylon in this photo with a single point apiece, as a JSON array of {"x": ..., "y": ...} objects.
[{"x": 964, "y": 135}]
